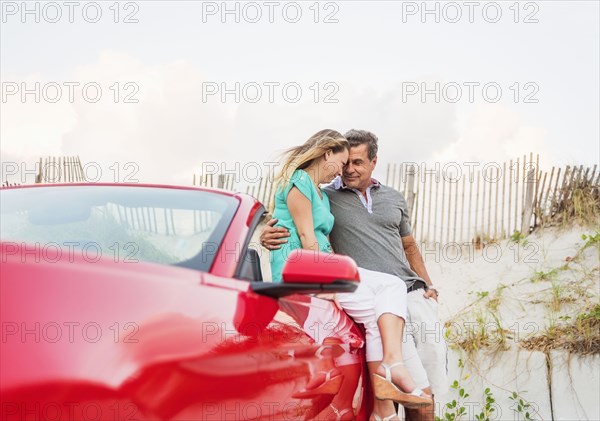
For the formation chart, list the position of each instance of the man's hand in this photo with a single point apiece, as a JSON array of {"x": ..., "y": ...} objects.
[
  {"x": 431, "y": 293},
  {"x": 272, "y": 237}
]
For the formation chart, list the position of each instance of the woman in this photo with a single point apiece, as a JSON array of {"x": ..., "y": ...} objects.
[{"x": 379, "y": 303}]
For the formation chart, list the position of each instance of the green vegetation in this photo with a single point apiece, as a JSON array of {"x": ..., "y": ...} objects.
[
  {"x": 488, "y": 408},
  {"x": 580, "y": 335},
  {"x": 523, "y": 408},
  {"x": 590, "y": 239},
  {"x": 455, "y": 409},
  {"x": 518, "y": 237},
  {"x": 540, "y": 276}
]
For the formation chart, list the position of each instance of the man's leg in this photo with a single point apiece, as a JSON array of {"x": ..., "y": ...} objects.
[
  {"x": 417, "y": 371},
  {"x": 430, "y": 342},
  {"x": 426, "y": 331}
]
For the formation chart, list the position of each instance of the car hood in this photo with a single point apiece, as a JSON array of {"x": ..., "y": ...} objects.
[{"x": 102, "y": 321}]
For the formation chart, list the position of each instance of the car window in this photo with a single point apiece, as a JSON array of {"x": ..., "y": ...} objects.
[{"x": 126, "y": 223}]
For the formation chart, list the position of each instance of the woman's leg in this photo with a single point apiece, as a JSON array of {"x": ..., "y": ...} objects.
[
  {"x": 379, "y": 303},
  {"x": 390, "y": 310},
  {"x": 391, "y": 328}
]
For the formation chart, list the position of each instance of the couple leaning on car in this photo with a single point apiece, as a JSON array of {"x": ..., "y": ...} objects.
[{"x": 370, "y": 223}]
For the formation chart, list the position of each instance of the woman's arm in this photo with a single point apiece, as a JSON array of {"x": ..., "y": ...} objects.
[{"x": 300, "y": 208}]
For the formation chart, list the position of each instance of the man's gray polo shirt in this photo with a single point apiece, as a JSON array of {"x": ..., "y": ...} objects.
[{"x": 370, "y": 230}]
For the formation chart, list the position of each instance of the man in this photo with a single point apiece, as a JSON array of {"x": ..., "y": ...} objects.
[{"x": 372, "y": 226}]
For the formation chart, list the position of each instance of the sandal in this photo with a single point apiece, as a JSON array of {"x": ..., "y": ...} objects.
[
  {"x": 330, "y": 386},
  {"x": 339, "y": 415},
  {"x": 385, "y": 389}
]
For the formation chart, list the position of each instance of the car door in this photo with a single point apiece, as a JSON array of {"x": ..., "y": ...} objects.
[
  {"x": 323, "y": 339},
  {"x": 335, "y": 360}
]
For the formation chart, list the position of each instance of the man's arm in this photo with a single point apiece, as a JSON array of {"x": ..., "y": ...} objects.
[
  {"x": 417, "y": 264},
  {"x": 272, "y": 237}
]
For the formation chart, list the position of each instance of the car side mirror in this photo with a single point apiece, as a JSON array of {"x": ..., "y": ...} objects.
[
  {"x": 309, "y": 266},
  {"x": 312, "y": 272}
]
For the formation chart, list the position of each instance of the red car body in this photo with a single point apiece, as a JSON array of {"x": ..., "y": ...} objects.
[{"x": 106, "y": 339}]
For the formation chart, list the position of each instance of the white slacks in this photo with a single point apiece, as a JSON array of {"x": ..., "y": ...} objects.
[{"x": 377, "y": 293}]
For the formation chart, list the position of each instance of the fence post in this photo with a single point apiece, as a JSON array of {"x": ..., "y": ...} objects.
[
  {"x": 387, "y": 177},
  {"x": 528, "y": 204},
  {"x": 410, "y": 188},
  {"x": 38, "y": 177}
]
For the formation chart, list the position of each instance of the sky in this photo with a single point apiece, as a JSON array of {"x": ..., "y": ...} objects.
[{"x": 157, "y": 91}]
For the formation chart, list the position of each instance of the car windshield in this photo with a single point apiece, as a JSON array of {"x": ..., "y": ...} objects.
[{"x": 126, "y": 223}]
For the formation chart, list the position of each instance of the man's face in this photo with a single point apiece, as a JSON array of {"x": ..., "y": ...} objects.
[{"x": 357, "y": 173}]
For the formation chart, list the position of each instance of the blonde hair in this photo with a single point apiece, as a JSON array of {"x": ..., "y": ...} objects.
[{"x": 300, "y": 157}]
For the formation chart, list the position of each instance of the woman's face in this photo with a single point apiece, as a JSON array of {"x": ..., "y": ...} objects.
[{"x": 334, "y": 165}]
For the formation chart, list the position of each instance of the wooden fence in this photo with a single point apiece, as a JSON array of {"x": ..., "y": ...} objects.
[
  {"x": 6, "y": 184},
  {"x": 458, "y": 204},
  {"x": 66, "y": 169},
  {"x": 453, "y": 203},
  {"x": 150, "y": 220},
  {"x": 262, "y": 190}
]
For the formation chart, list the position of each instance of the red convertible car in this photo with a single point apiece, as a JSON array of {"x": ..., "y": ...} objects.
[{"x": 146, "y": 302}]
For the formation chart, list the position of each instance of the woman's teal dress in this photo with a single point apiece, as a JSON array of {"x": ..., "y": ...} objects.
[{"x": 321, "y": 213}]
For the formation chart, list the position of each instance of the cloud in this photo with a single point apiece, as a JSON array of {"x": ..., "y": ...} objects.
[
  {"x": 170, "y": 131},
  {"x": 33, "y": 124},
  {"x": 167, "y": 133},
  {"x": 496, "y": 133}
]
